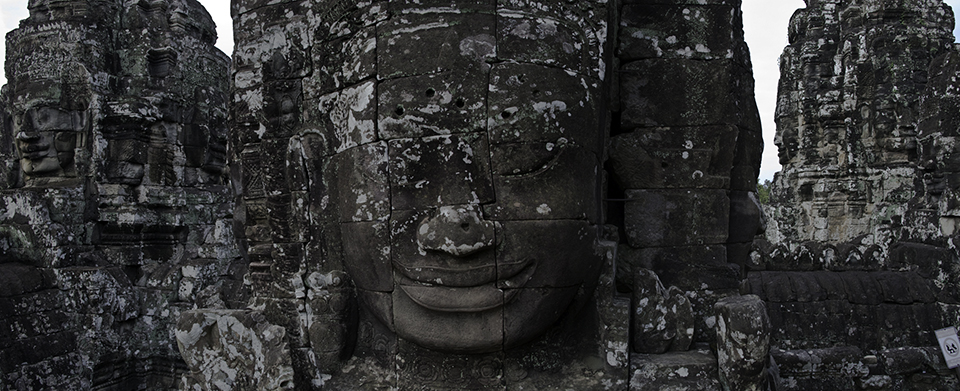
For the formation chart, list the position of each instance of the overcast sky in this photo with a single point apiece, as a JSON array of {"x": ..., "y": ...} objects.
[{"x": 765, "y": 27}]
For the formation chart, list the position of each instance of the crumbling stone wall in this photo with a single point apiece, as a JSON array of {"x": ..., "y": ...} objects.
[{"x": 115, "y": 212}]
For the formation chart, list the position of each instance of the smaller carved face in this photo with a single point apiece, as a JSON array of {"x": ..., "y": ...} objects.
[
  {"x": 787, "y": 144},
  {"x": 216, "y": 153},
  {"x": 45, "y": 139}
]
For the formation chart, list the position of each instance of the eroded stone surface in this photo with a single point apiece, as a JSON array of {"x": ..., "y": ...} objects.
[
  {"x": 676, "y": 371},
  {"x": 233, "y": 349},
  {"x": 663, "y": 318},
  {"x": 743, "y": 342}
]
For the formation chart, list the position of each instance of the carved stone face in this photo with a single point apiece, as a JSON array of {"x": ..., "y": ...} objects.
[
  {"x": 787, "y": 145},
  {"x": 469, "y": 224},
  {"x": 45, "y": 139},
  {"x": 215, "y": 159}
]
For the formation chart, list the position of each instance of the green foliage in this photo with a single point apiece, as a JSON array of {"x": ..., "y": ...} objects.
[{"x": 763, "y": 192}]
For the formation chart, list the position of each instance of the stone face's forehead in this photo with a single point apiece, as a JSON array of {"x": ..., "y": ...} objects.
[
  {"x": 449, "y": 70},
  {"x": 417, "y": 44},
  {"x": 51, "y": 118},
  {"x": 464, "y": 108}
]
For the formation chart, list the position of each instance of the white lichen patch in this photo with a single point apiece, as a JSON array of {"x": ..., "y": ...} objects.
[
  {"x": 480, "y": 47},
  {"x": 352, "y": 110},
  {"x": 543, "y": 209}
]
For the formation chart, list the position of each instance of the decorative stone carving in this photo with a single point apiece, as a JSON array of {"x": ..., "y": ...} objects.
[{"x": 46, "y": 138}]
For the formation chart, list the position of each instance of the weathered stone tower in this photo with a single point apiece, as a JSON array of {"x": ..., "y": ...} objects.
[
  {"x": 859, "y": 264},
  {"x": 115, "y": 212}
]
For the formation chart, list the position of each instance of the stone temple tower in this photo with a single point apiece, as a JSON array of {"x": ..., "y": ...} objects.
[
  {"x": 114, "y": 204},
  {"x": 847, "y": 114}
]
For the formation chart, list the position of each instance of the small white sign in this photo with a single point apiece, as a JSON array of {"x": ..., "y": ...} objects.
[{"x": 950, "y": 346}]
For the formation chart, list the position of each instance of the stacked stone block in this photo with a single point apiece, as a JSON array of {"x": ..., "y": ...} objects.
[{"x": 684, "y": 148}]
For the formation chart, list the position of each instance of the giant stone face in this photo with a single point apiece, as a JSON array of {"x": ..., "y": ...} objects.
[{"x": 469, "y": 218}]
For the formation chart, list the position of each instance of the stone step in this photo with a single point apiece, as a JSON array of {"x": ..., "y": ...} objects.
[{"x": 694, "y": 370}]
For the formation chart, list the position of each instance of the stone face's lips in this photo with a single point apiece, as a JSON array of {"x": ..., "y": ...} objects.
[
  {"x": 469, "y": 298},
  {"x": 449, "y": 299},
  {"x": 36, "y": 155},
  {"x": 466, "y": 276}
]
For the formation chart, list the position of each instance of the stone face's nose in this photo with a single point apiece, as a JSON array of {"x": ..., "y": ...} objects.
[{"x": 456, "y": 230}]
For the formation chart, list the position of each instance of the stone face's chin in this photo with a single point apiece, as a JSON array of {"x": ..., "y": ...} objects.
[
  {"x": 459, "y": 332},
  {"x": 524, "y": 315}
]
